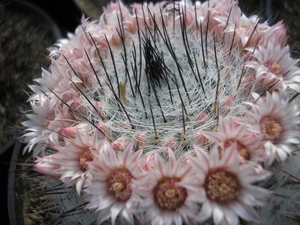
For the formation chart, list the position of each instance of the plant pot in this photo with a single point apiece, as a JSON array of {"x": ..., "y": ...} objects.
[{"x": 21, "y": 25}]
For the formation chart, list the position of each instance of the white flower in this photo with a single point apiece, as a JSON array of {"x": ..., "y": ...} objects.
[
  {"x": 169, "y": 192},
  {"x": 274, "y": 67},
  {"x": 70, "y": 159},
  {"x": 227, "y": 186},
  {"x": 248, "y": 144},
  {"x": 110, "y": 192},
  {"x": 278, "y": 123}
]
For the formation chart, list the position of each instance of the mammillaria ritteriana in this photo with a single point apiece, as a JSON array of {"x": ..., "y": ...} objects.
[{"x": 168, "y": 113}]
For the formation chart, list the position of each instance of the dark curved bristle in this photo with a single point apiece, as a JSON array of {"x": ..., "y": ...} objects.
[
  {"x": 140, "y": 53},
  {"x": 183, "y": 124},
  {"x": 137, "y": 87},
  {"x": 121, "y": 105},
  {"x": 202, "y": 47},
  {"x": 114, "y": 66},
  {"x": 199, "y": 75},
  {"x": 206, "y": 32},
  {"x": 227, "y": 21},
  {"x": 232, "y": 41},
  {"x": 218, "y": 78},
  {"x": 186, "y": 43},
  {"x": 94, "y": 71},
  {"x": 294, "y": 96},
  {"x": 241, "y": 77},
  {"x": 127, "y": 77},
  {"x": 85, "y": 96},
  {"x": 153, "y": 121},
  {"x": 252, "y": 33}
]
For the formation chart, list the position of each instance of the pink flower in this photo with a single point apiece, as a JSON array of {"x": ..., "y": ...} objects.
[
  {"x": 249, "y": 145},
  {"x": 226, "y": 186},
  {"x": 44, "y": 123},
  {"x": 274, "y": 67},
  {"x": 238, "y": 27},
  {"x": 71, "y": 159},
  {"x": 71, "y": 131},
  {"x": 47, "y": 165},
  {"x": 275, "y": 34},
  {"x": 144, "y": 18},
  {"x": 278, "y": 123},
  {"x": 110, "y": 192},
  {"x": 209, "y": 12},
  {"x": 168, "y": 195},
  {"x": 112, "y": 13}
]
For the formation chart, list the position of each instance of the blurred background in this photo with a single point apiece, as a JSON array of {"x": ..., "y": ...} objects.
[{"x": 29, "y": 27}]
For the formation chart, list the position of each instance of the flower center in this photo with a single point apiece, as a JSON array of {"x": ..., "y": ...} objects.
[
  {"x": 221, "y": 186},
  {"x": 85, "y": 157},
  {"x": 168, "y": 194},
  {"x": 244, "y": 153},
  {"x": 269, "y": 128},
  {"x": 242, "y": 150},
  {"x": 48, "y": 120},
  {"x": 274, "y": 68},
  {"x": 244, "y": 25},
  {"x": 119, "y": 184}
]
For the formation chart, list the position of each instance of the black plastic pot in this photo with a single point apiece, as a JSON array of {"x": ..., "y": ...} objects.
[
  {"x": 11, "y": 152},
  {"x": 16, "y": 149},
  {"x": 5, "y": 159}
]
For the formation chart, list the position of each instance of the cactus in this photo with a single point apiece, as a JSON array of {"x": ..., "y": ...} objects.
[{"x": 166, "y": 113}]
